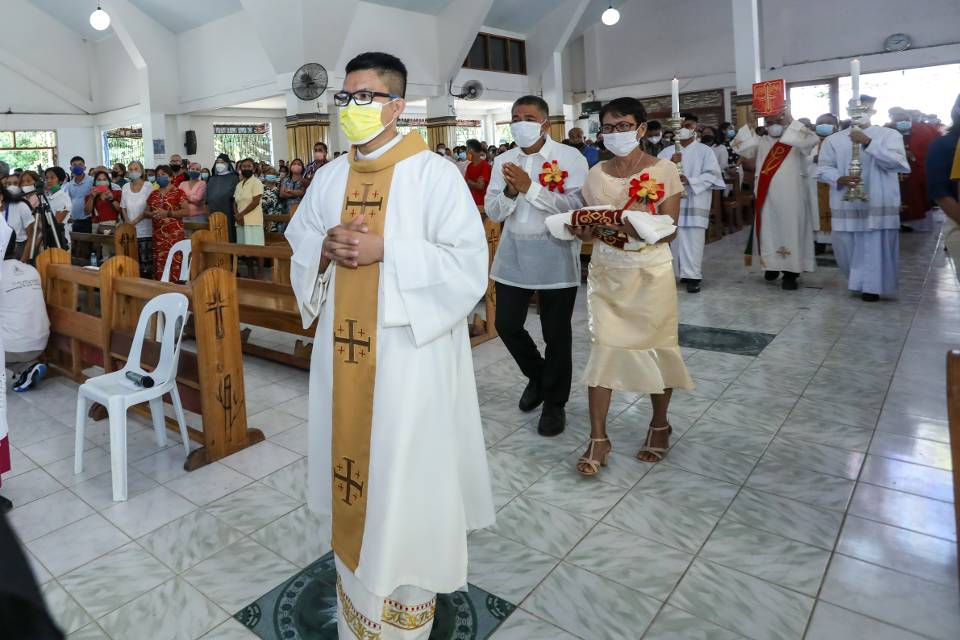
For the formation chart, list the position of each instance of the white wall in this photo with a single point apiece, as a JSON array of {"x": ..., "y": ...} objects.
[
  {"x": 116, "y": 78},
  {"x": 21, "y": 95},
  {"x": 203, "y": 125}
]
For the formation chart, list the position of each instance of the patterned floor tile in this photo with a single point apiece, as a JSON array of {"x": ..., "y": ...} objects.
[
  {"x": 675, "y": 624},
  {"x": 687, "y": 489},
  {"x": 591, "y": 606},
  {"x": 742, "y": 438},
  {"x": 41, "y": 516},
  {"x": 510, "y": 474},
  {"x": 540, "y": 526},
  {"x": 739, "y": 602},
  {"x": 786, "y": 517},
  {"x": 301, "y": 536},
  {"x": 290, "y": 480},
  {"x": 661, "y": 521},
  {"x": 830, "y": 622},
  {"x": 115, "y": 579},
  {"x": 252, "y": 507},
  {"x": 180, "y": 610},
  {"x": 90, "y": 632},
  {"x": 790, "y": 564},
  {"x": 239, "y": 574},
  {"x": 586, "y": 496},
  {"x": 231, "y": 630},
  {"x": 506, "y": 568},
  {"x": 785, "y": 450},
  {"x": 524, "y": 626},
  {"x": 915, "y": 450},
  {"x": 150, "y": 510},
  {"x": 829, "y": 434},
  {"x": 895, "y": 598},
  {"x": 904, "y": 510},
  {"x": 727, "y": 466},
  {"x": 208, "y": 483},
  {"x": 736, "y": 415},
  {"x": 646, "y": 566},
  {"x": 77, "y": 544},
  {"x": 919, "y": 555},
  {"x": 189, "y": 540},
  {"x": 910, "y": 478},
  {"x": 68, "y": 615},
  {"x": 261, "y": 459},
  {"x": 805, "y": 485},
  {"x": 622, "y": 470}
]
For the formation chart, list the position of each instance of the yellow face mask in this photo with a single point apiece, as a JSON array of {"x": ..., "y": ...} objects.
[{"x": 362, "y": 123}]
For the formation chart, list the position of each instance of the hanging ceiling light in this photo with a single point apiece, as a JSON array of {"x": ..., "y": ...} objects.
[
  {"x": 609, "y": 17},
  {"x": 100, "y": 19}
]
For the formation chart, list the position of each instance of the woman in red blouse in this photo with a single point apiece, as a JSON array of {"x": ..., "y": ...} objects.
[
  {"x": 166, "y": 205},
  {"x": 103, "y": 203}
]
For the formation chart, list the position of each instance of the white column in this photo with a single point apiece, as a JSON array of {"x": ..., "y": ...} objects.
[
  {"x": 441, "y": 107},
  {"x": 336, "y": 141},
  {"x": 746, "y": 38},
  {"x": 552, "y": 83},
  {"x": 154, "y": 128},
  {"x": 490, "y": 128}
]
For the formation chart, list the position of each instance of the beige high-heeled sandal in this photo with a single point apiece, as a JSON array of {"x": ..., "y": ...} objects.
[
  {"x": 657, "y": 452},
  {"x": 593, "y": 464}
]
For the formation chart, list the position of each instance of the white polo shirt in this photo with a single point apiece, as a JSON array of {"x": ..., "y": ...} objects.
[
  {"x": 23, "y": 312},
  {"x": 18, "y": 216}
]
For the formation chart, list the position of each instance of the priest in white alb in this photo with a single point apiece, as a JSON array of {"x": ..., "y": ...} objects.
[
  {"x": 782, "y": 238},
  {"x": 700, "y": 175},
  {"x": 866, "y": 234},
  {"x": 389, "y": 257}
]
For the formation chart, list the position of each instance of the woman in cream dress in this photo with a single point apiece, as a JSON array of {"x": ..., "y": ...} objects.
[{"x": 632, "y": 294}]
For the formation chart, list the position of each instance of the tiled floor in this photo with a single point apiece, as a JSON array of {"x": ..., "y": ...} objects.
[{"x": 807, "y": 495}]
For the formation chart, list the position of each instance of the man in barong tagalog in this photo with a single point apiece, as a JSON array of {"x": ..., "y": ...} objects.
[
  {"x": 783, "y": 229},
  {"x": 389, "y": 256}
]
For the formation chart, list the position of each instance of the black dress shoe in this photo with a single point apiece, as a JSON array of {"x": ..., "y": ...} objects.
[
  {"x": 693, "y": 286},
  {"x": 531, "y": 397},
  {"x": 770, "y": 276},
  {"x": 870, "y": 297},
  {"x": 5, "y": 505},
  {"x": 790, "y": 281},
  {"x": 905, "y": 229},
  {"x": 553, "y": 420}
]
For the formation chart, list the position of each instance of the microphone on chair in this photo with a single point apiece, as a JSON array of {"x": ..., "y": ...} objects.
[{"x": 140, "y": 380}]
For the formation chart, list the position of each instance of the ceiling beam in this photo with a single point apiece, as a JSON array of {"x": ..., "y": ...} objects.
[{"x": 457, "y": 28}]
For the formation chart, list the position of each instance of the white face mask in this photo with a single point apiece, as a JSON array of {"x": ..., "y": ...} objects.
[
  {"x": 655, "y": 139},
  {"x": 28, "y": 189},
  {"x": 685, "y": 134},
  {"x": 775, "y": 130},
  {"x": 14, "y": 190},
  {"x": 221, "y": 168},
  {"x": 622, "y": 143},
  {"x": 526, "y": 134}
]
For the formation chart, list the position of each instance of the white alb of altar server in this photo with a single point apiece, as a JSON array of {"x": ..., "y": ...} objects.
[
  {"x": 428, "y": 481},
  {"x": 703, "y": 175},
  {"x": 866, "y": 235},
  {"x": 789, "y": 216}
]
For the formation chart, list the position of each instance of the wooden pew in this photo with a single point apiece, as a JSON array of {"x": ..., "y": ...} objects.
[
  {"x": 122, "y": 242},
  {"x": 270, "y": 304},
  {"x": 210, "y": 381},
  {"x": 277, "y": 237},
  {"x": 216, "y": 222},
  {"x": 953, "y": 414}
]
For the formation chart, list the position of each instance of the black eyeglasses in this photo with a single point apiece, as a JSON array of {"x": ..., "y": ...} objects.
[
  {"x": 361, "y": 97},
  {"x": 620, "y": 127}
]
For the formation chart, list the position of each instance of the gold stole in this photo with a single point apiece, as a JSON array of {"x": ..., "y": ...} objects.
[{"x": 355, "y": 350}]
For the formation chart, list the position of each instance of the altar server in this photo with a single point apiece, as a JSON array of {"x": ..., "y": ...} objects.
[
  {"x": 865, "y": 234},
  {"x": 700, "y": 176}
]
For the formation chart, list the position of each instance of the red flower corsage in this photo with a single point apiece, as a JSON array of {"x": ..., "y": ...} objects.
[
  {"x": 553, "y": 177},
  {"x": 646, "y": 191}
]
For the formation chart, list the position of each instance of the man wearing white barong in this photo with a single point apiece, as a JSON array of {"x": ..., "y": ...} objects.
[
  {"x": 866, "y": 234},
  {"x": 389, "y": 257},
  {"x": 785, "y": 215},
  {"x": 700, "y": 176}
]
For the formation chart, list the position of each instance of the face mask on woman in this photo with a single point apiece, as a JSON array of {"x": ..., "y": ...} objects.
[
  {"x": 731, "y": 134},
  {"x": 205, "y": 175},
  {"x": 152, "y": 179},
  {"x": 14, "y": 190},
  {"x": 270, "y": 179},
  {"x": 824, "y": 130},
  {"x": 221, "y": 168},
  {"x": 28, "y": 189},
  {"x": 163, "y": 181},
  {"x": 621, "y": 143},
  {"x": 193, "y": 175},
  {"x": 655, "y": 139},
  {"x": 246, "y": 173},
  {"x": 102, "y": 183},
  {"x": 903, "y": 126},
  {"x": 134, "y": 175}
]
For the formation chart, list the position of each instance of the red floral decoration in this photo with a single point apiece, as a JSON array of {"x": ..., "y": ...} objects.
[
  {"x": 553, "y": 176},
  {"x": 646, "y": 191}
]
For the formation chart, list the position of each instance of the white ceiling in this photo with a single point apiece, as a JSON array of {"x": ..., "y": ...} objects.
[
  {"x": 274, "y": 102},
  {"x": 519, "y": 16},
  {"x": 432, "y": 7},
  {"x": 175, "y": 15}
]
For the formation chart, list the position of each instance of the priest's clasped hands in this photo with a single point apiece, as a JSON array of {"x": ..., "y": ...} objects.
[{"x": 351, "y": 245}]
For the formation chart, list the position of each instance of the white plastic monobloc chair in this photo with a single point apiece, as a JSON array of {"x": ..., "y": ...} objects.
[
  {"x": 182, "y": 247},
  {"x": 118, "y": 394}
]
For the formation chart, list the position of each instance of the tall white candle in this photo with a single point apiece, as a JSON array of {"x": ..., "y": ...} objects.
[
  {"x": 675, "y": 96},
  {"x": 855, "y": 78}
]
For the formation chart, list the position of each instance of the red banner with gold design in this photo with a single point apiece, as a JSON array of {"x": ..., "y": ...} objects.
[{"x": 769, "y": 97}]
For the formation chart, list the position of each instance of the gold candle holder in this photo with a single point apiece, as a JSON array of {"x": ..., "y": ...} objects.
[{"x": 855, "y": 192}]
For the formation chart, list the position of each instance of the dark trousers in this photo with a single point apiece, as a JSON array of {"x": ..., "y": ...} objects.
[{"x": 553, "y": 370}]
